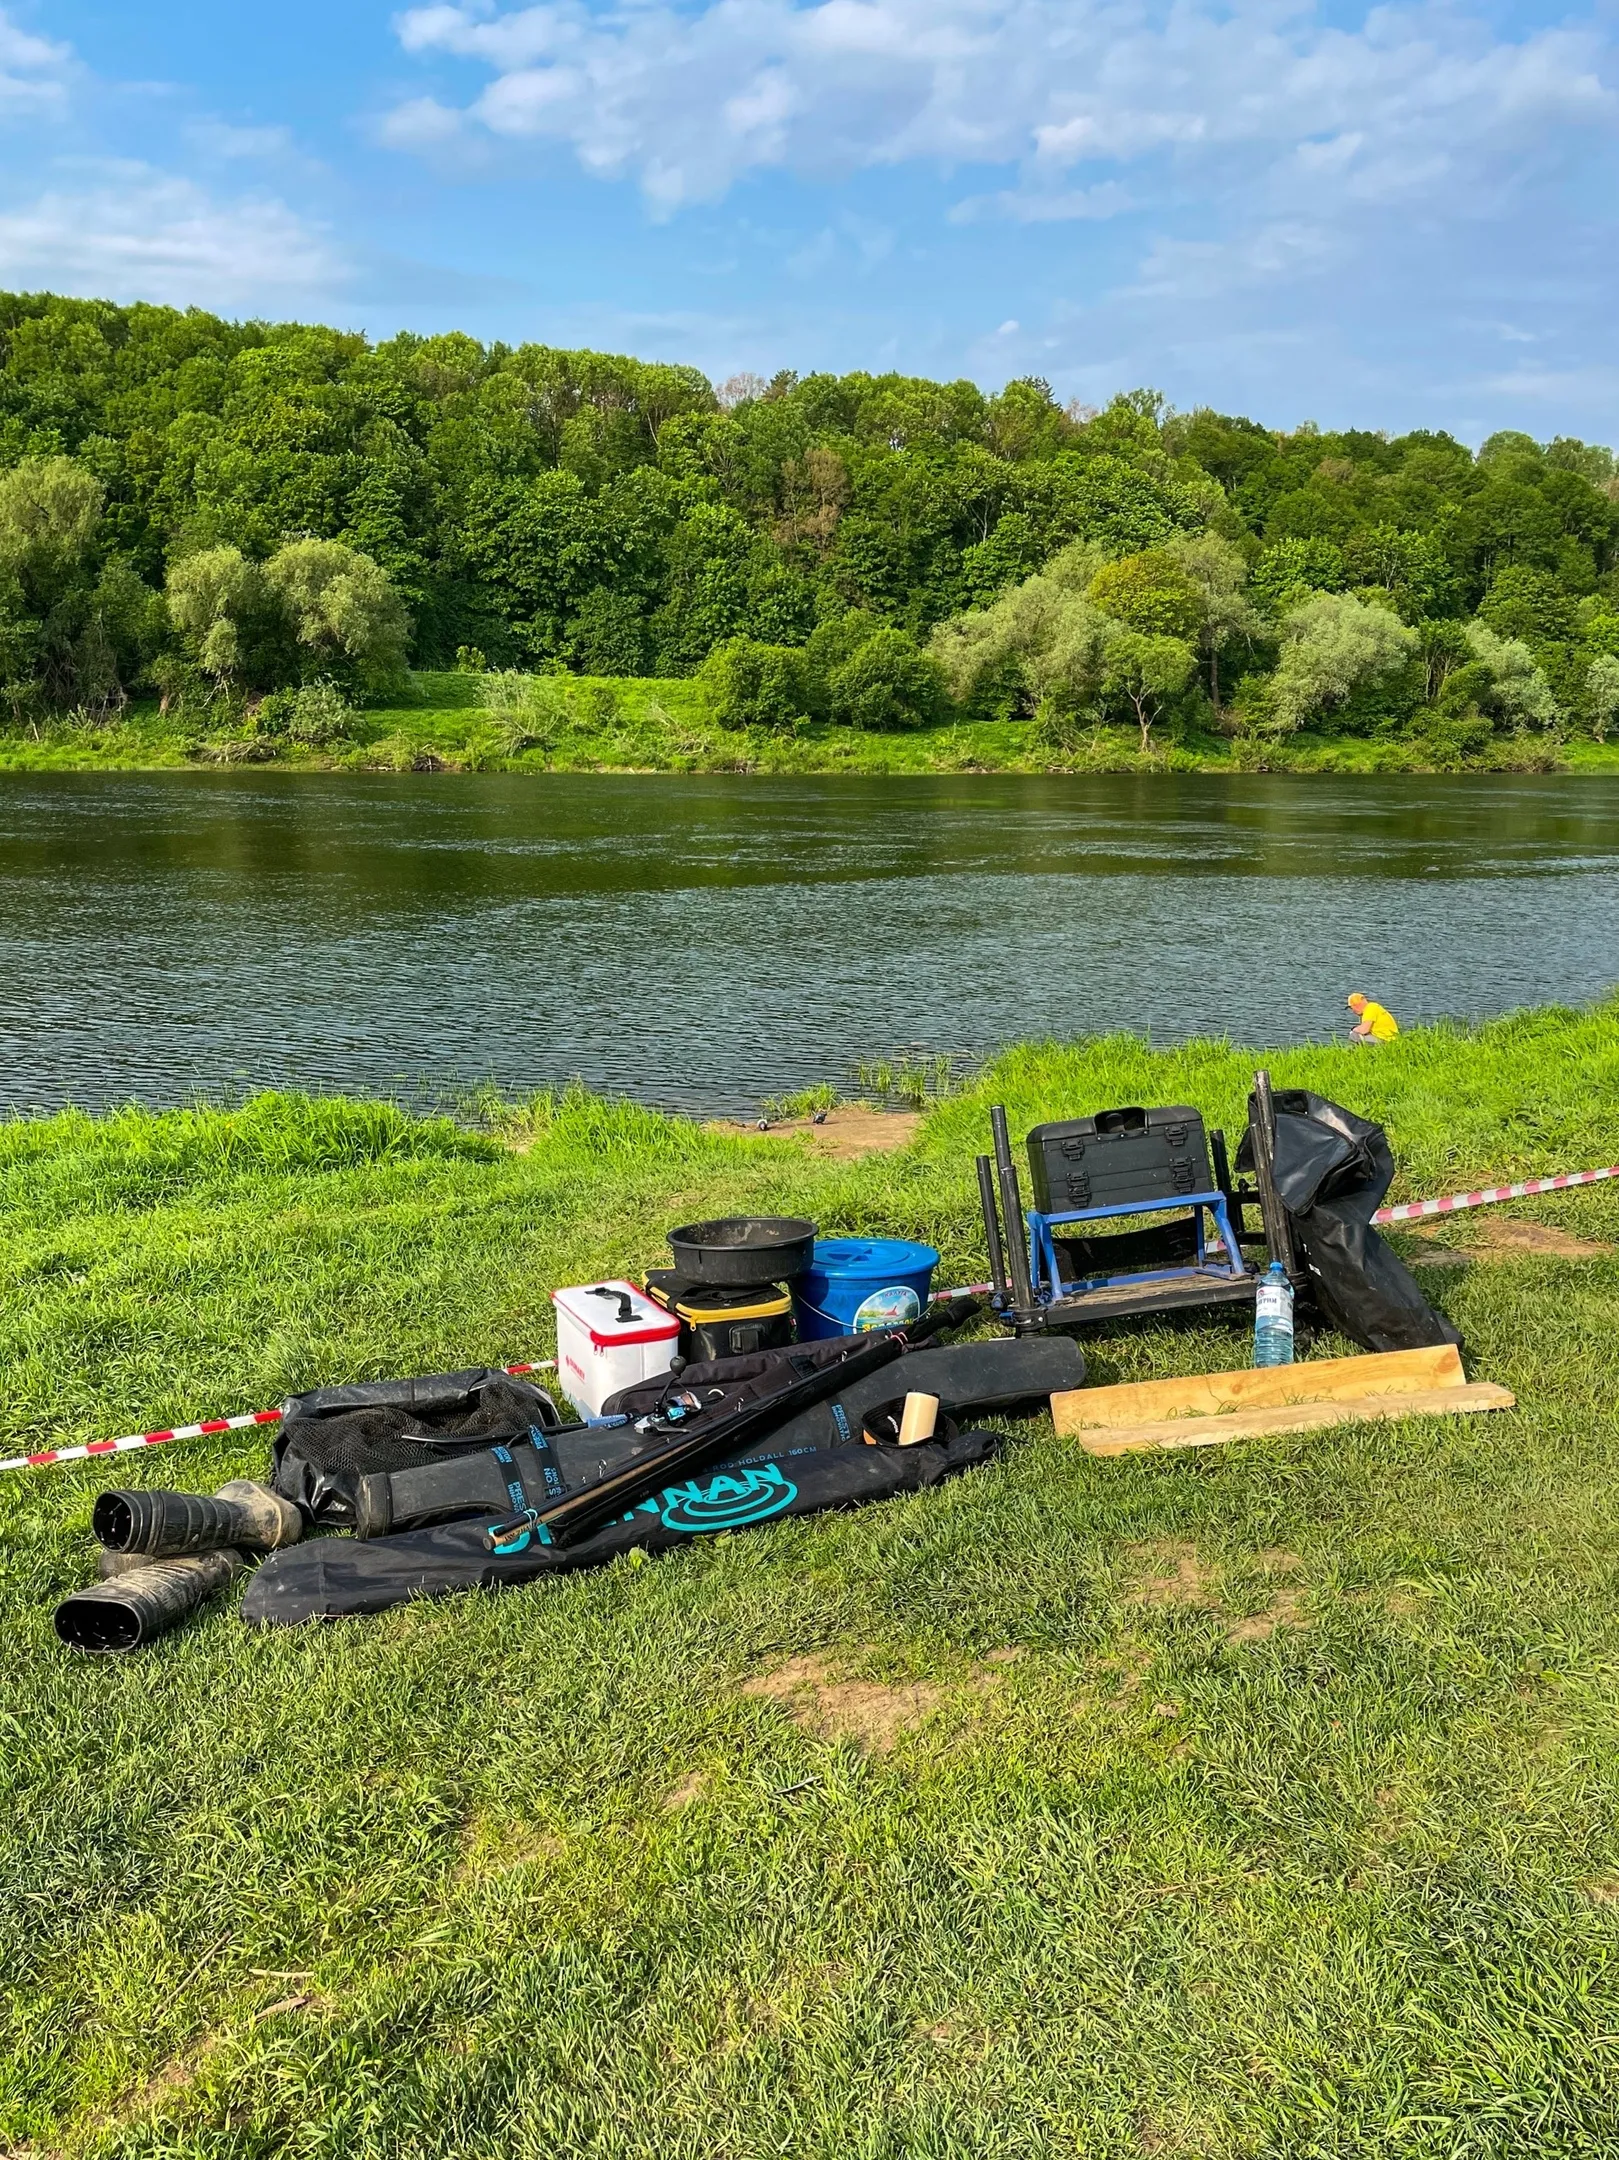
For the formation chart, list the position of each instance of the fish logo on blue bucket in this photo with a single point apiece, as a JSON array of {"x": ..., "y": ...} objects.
[
  {"x": 896, "y": 1306},
  {"x": 730, "y": 1501}
]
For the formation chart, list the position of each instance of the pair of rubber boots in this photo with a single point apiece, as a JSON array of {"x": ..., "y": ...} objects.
[{"x": 164, "y": 1553}]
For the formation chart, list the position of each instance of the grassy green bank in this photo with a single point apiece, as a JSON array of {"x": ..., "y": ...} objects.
[
  {"x": 611, "y": 724},
  {"x": 1291, "y": 1828}
]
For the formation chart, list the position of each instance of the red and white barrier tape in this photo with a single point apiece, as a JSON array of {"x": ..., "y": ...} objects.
[
  {"x": 1414, "y": 1210},
  {"x": 1411, "y": 1210},
  {"x": 182, "y": 1432},
  {"x": 1408, "y": 1211}
]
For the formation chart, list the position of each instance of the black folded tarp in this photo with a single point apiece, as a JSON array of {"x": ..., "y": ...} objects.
[
  {"x": 1333, "y": 1170},
  {"x": 331, "y": 1577}
]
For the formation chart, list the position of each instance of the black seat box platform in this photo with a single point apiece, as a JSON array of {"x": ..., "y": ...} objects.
[{"x": 1119, "y": 1157}]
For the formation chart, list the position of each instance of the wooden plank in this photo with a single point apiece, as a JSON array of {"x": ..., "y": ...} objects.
[
  {"x": 1145, "y": 1402},
  {"x": 1291, "y": 1418}
]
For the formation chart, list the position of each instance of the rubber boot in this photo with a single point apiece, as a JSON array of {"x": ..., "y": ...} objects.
[
  {"x": 157, "y": 1524},
  {"x": 140, "y": 1603}
]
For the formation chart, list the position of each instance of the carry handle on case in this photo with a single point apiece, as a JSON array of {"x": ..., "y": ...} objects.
[{"x": 1116, "y": 1156}]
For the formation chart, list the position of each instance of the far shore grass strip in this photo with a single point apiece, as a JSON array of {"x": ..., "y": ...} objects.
[{"x": 635, "y": 724}]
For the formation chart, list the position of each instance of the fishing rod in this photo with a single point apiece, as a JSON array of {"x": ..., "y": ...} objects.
[{"x": 576, "y": 1514}]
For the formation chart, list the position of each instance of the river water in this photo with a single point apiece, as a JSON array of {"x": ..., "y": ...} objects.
[{"x": 703, "y": 942}]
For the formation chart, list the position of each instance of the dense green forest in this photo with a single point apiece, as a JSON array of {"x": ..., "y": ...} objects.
[{"x": 282, "y": 519}]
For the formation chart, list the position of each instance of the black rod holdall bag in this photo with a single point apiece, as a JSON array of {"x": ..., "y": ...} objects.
[
  {"x": 815, "y": 1460},
  {"x": 1332, "y": 1171},
  {"x": 969, "y": 1379},
  {"x": 533, "y": 1469},
  {"x": 332, "y": 1577}
]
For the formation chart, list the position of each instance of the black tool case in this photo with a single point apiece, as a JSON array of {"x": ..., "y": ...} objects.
[
  {"x": 1119, "y": 1157},
  {"x": 720, "y": 1322}
]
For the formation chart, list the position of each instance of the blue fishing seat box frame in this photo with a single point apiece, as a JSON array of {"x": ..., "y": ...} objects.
[
  {"x": 1046, "y": 1269},
  {"x": 1119, "y": 1163}
]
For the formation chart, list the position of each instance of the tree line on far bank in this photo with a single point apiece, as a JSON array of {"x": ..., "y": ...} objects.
[{"x": 283, "y": 518}]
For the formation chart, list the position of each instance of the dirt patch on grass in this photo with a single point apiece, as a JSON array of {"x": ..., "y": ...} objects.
[
  {"x": 1499, "y": 1237},
  {"x": 819, "y": 1696},
  {"x": 848, "y": 1133},
  {"x": 1169, "y": 1573},
  {"x": 1123, "y": 1670},
  {"x": 691, "y": 1787},
  {"x": 1170, "y": 1576},
  {"x": 1388, "y": 1817},
  {"x": 1286, "y": 1609},
  {"x": 872, "y": 1713},
  {"x": 1603, "y": 1890},
  {"x": 149, "y": 2103},
  {"x": 1404, "y": 1604}
]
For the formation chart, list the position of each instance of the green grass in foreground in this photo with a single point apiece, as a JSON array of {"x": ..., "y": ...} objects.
[
  {"x": 634, "y": 725},
  {"x": 531, "y": 1874}
]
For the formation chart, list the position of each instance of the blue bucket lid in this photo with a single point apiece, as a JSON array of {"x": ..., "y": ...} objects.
[{"x": 872, "y": 1256}]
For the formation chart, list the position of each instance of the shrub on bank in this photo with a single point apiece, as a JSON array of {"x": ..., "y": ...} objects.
[{"x": 855, "y": 672}]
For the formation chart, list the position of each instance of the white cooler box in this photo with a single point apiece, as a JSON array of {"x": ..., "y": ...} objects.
[{"x": 608, "y": 1337}]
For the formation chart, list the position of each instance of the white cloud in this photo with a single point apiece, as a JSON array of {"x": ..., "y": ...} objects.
[
  {"x": 219, "y": 139},
  {"x": 1182, "y": 270},
  {"x": 126, "y": 231},
  {"x": 689, "y": 102},
  {"x": 1561, "y": 387},
  {"x": 419, "y": 124},
  {"x": 1037, "y": 205},
  {"x": 862, "y": 240},
  {"x": 33, "y": 71}
]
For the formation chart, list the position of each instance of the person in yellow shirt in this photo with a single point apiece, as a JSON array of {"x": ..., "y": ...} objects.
[{"x": 1375, "y": 1022}]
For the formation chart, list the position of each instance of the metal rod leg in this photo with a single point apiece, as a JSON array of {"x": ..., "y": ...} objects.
[
  {"x": 1017, "y": 1250},
  {"x": 1278, "y": 1232}
]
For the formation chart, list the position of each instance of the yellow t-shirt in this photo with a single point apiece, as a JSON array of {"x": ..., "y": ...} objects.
[{"x": 1380, "y": 1020}]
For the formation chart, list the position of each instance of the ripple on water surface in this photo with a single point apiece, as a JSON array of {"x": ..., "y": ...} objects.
[{"x": 703, "y": 941}]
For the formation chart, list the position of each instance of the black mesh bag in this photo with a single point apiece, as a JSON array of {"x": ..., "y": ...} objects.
[{"x": 332, "y": 1437}]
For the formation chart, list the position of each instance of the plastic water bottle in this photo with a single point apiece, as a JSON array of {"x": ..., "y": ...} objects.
[{"x": 1273, "y": 1318}]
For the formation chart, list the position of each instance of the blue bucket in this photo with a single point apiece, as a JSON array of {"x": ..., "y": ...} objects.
[{"x": 855, "y": 1284}]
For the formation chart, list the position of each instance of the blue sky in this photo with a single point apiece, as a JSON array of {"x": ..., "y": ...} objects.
[{"x": 1396, "y": 216}]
